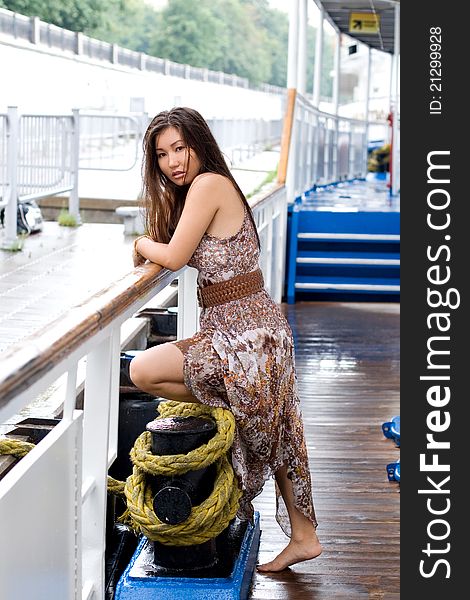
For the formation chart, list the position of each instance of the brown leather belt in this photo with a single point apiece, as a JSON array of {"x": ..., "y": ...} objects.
[{"x": 232, "y": 289}]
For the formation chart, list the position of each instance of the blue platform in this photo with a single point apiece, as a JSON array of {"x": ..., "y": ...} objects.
[
  {"x": 343, "y": 243},
  {"x": 234, "y": 587}
]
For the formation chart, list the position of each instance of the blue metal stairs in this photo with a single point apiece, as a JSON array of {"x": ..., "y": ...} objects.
[{"x": 346, "y": 254}]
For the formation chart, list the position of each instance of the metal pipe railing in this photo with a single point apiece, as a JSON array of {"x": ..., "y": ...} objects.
[
  {"x": 327, "y": 149},
  {"x": 42, "y": 155}
]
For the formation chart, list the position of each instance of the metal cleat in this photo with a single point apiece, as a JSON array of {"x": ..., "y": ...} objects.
[
  {"x": 391, "y": 429},
  {"x": 393, "y": 471}
]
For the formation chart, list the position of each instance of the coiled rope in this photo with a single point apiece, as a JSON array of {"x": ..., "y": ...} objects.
[
  {"x": 208, "y": 519},
  {"x": 16, "y": 448}
]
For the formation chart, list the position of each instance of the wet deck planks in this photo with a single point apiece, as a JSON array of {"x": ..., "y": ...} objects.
[
  {"x": 348, "y": 370},
  {"x": 57, "y": 269}
]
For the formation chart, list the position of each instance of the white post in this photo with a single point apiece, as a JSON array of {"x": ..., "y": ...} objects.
[
  {"x": 74, "y": 200},
  {"x": 279, "y": 275},
  {"x": 367, "y": 103},
  {"x": 292, "y": 85},
  {"x": 291, "y": 164},
  {"x": 318, "y": 61},
  {"x": 302, "y": 52},
  {"x": 336, "y": 102},
  {"x": 13, "y": 130},
  {"x": 337, "y": 73},
  {"x": 98, "y": 391},
  {"x": 292, "y": 49},
  {"x": 317, "y": 91},
  {"x": 188, "y": 308},
  {"x": 395, "y": 183},
  {"x": 35, "y": 30}
]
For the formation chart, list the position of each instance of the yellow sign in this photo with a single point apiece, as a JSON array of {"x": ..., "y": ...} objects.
[{"x": 364, "y": 22}]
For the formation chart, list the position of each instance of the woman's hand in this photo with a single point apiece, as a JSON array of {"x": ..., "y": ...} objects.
[{"x": 137, "y": 258}]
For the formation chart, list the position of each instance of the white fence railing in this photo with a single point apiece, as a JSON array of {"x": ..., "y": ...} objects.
[
  {"x": 35, "y": 31},
  {"x": 242, "y": 138},
  {"x": 3, "y": 162},
  {"x": 53, "y": 501},
  {"x": 324, "y": 149},
  {"x": 42, "y": 155}
]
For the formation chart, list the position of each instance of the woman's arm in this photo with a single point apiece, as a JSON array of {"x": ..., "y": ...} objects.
[{"x": 201, "y": 205}]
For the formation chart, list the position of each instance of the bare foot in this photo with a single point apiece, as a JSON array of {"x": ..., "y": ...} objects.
[{"x": 293, "y": 553}]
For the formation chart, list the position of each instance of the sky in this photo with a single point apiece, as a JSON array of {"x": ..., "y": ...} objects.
[
  {"x": 279, "y": 4},
  {"x": 282, "y": 5}
]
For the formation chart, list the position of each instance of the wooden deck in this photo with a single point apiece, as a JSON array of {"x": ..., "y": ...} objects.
[{"x": 348, "y": 371}]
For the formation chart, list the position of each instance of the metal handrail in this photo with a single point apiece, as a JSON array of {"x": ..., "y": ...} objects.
[{"x": 23, "y": 364}]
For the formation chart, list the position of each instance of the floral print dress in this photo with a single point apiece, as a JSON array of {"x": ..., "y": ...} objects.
[{"x": 242, "y": 358}]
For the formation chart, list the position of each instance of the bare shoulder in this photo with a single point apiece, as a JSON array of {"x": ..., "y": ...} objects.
[
  {"x": 212, "y": 191},
  {"x": 211, "y": 182}
]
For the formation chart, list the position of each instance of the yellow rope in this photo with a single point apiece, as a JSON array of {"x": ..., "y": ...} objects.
[
  {"x": 16, "y": 448},
  {"x": 178, "y": 464},
  {"x": 206, "y": 520},
  {"x": 209, "y": 518},
  {"x": 115, "y": 486}
]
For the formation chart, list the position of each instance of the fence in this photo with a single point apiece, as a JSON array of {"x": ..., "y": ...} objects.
[
  {"x": 42, "y": 154},
  {"x": 324, "y": 149},
  {"x": 35, "y": 31},
  {"x": 60, "y": 486}
]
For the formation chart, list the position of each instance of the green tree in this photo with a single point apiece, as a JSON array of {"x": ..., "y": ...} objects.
[
  {"x": 245, "y": 48},
  {"x": 132, "y": 25},
  {"x": 76, "y": 15},
  {"x": 218, "y": 34},
  {"x": 244, "y": 37},
  {"x": 188, "y": 32}
]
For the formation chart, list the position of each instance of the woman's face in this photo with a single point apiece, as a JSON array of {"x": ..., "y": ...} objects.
[{"x": 178, "y": 162}]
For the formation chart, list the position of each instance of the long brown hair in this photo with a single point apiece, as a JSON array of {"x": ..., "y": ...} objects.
[{"x": 163, "y": 199}]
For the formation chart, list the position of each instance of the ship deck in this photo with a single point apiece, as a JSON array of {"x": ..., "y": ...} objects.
[{"x": 348, "y": 369}]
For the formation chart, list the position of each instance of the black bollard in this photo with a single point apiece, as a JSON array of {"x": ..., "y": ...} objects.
[{"x": 175, "y": 496}]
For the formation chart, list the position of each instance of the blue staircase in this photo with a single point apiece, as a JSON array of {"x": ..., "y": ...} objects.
[{"x": 343, "y": 254}]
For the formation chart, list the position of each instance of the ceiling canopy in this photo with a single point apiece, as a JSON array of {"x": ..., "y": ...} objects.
[{"x": 370, "y": 21}]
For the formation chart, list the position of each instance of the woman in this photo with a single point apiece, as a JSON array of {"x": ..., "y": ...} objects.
[{"x": 242, "y": 358}]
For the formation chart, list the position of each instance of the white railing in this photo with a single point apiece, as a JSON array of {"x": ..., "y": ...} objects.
[
  {"x": 109, "y": 142},
  {"x": 324, "y": 149},
  {"x": 3, "y": 162},
  {"x": 42, "y": 155},
  {"x": 53, "y": 501},
  {"x": 242, "y": 138},
  {"x": 33, "y": 30}
]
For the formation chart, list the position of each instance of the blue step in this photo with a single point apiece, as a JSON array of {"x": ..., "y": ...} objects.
[
  {"x": 342, "y": 236},
  {"x": 342, "y": 284},
  {"x": 357, "y": 257},
  {"x": 350, "y": 254},
  {"x": 359, "y": 225}
]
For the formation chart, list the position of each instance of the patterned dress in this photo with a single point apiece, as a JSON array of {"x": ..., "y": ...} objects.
[{"x": 242, "y": 358}]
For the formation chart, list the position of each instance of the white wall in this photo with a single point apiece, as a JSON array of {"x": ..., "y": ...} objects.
[{"x": 38, "y": 81}]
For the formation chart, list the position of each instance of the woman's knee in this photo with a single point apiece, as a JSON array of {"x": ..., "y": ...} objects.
[
  {"x": 140, "y": 373},
  {"x": 156, "y": 366}
]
